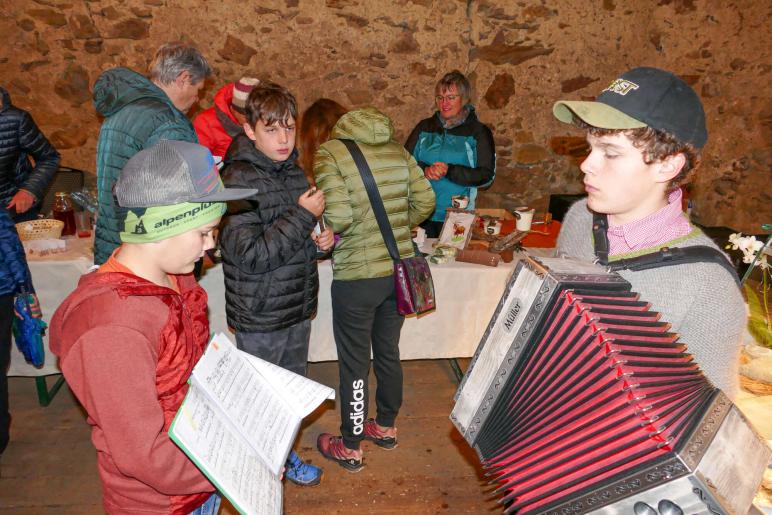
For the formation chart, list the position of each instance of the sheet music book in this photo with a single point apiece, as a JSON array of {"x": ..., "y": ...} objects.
[{"x": 238, "y": 422}]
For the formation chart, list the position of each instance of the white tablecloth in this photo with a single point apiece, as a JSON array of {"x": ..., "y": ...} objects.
[
  {"x": 467, "y": 295},
  {"x": 54, "y": 277}
]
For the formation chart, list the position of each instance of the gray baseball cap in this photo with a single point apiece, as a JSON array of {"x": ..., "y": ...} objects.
[{"x": 173, "y": 172}]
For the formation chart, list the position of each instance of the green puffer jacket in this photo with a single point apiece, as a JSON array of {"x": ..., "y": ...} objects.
[
  {"x": 407, "y": 194},
  {"x": 137, "y": 114}
]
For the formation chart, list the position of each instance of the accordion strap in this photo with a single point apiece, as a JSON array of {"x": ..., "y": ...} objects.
[
  {"x": 666, "y": 256},
  {"x": 600, "y": 237},
  {"x": 375, "y": 198}
]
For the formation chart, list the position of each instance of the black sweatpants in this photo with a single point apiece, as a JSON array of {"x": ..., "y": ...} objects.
[
  {"x": 6, "y": 319},
  {"x": 364, "y": 314}
]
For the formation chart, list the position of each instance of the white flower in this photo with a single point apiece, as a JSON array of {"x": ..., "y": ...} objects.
[
  {"x": 735, "y": 240},
  {"x": 749, "y": 246}
]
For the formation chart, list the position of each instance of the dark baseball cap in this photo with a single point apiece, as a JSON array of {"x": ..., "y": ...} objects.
[
  {"x": 173, "y": 172},
  {"x": 643, "y": 97}
]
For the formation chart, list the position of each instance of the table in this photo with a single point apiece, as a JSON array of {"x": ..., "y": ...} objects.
[
  {"x": 54, "y": 277},
  {"x": 467, "y": 295}
]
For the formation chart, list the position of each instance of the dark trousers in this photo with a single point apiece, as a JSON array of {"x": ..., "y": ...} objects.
[
  {"x": 287, "y": 348},
  {"x": 364, "y": 314},
  {"x": 6, "y": 319}
]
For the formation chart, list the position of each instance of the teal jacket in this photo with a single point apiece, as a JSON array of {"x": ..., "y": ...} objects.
[
  {"x": 468, "y": 150},
  {"x": 137, "y": 115}
]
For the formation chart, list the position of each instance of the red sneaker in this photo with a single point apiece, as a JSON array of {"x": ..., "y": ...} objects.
[
  {"x": 332, "y": 448},
  {"x": 380, "y": 438}
]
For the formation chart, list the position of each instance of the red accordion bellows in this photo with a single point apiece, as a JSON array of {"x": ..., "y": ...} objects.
[{"x": 610, "y": 386}]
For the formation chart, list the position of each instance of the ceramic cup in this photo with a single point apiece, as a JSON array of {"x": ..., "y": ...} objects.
[
  {"x": 459, "y": 201},
  {"x": 493, "y": 228},
  {"x": 524, "y": 216}
]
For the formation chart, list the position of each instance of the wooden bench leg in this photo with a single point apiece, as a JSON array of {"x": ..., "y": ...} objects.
[
  {"x": 45, "y": 396},
  {"x": 456, "y": 369}
]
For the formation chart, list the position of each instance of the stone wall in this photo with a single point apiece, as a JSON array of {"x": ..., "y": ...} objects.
[{"x": 521, "y": 56}]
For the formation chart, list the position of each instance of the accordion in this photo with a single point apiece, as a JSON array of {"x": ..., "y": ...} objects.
[{"x": 580, "y": 399}]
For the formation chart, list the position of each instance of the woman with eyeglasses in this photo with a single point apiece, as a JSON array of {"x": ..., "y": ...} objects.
[{"x": 454, "y": 149}]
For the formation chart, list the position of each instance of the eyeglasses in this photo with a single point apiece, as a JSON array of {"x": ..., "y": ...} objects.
[{"x": 449, "y": 98}]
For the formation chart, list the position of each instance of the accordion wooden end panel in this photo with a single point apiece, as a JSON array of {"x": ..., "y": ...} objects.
[{"x": 580, "y": 399}]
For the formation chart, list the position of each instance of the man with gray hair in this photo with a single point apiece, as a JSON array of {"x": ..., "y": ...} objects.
[{"x": 139, "y": 111}]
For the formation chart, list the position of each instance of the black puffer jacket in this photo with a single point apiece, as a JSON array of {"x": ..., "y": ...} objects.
[
  {"x": 269, "y": 259},
  {"x": 19, "y": 138}
]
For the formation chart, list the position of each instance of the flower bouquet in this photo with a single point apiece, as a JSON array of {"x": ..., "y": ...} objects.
[{"x": 756, "y": 372}]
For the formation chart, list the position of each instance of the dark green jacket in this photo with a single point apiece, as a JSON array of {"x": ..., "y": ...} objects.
[
  {"x": 137, "y": 115},
  {"x": 407, "y": 195}
]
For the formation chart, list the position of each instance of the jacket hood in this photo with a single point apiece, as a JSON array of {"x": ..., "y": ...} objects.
[
  {"x": 119, "y": 87},
  {"x": 222, "y": 110},
  {"x": 366, "y": 125},
  {"x": 223, "y": 97},
  {"x": 94, "y": 285},
  {"x": 6, "y": 99},
  {"x": 243, "y": 149}
]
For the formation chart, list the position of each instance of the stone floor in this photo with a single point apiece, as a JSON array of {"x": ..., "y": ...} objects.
[{"x": 50, "y": 466}]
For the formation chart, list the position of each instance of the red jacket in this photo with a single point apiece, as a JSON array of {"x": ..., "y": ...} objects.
[
  {"x": 127, "y": 347},
  {"x": 216, "y": 127}
]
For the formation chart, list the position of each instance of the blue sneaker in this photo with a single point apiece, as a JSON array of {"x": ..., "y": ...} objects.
[{"x": 301, "y": 473}]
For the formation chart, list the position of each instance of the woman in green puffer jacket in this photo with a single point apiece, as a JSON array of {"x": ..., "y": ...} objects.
[{"x": 364, "y": 308}]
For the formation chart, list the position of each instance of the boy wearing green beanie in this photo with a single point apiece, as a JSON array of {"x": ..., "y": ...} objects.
[{"x": 129, "y": 335}]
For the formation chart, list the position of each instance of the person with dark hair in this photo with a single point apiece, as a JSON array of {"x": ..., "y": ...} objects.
[
  {"x": 315, "y": 127},
  {"x": 22, "y": 185},
  {"x": 646, "y": 131},
  {"x": 140, "y": 111},
  {"x": 454, "y": 149},
  {"x": 217, "y": 126},
  {"x": 269, "y": 244}
]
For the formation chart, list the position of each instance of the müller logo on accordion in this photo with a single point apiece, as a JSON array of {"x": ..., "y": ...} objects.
[
  {"x": 509, "y": 321},
  {"x": 579, "y": 399}
]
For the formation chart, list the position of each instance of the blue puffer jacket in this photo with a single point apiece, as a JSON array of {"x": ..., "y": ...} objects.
[
  {"x": 468, "y": 150},
  {"x": 137, "y": 114},
  {"x": 14, "y": 273},
  {"x": 19, "y": 138}
]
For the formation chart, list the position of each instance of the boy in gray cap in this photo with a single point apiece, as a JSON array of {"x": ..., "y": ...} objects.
[
  {"x": 131, "y": 332},
  {"x": 646, "y": 131}
]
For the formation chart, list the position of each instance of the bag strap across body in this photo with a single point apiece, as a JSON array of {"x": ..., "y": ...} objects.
[
  {"x": 666, "y": 256},
  {"x": 375, "y": 198}
]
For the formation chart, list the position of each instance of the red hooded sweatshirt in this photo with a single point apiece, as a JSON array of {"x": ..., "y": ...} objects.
[
  {"x": 127, "y": 347},
  {"x": 216, "y": 127}
]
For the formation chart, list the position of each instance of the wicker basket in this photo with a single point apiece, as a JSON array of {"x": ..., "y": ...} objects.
[
  {"x": 755, "y": 387},
  {"x": 42, "y": 229}
]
